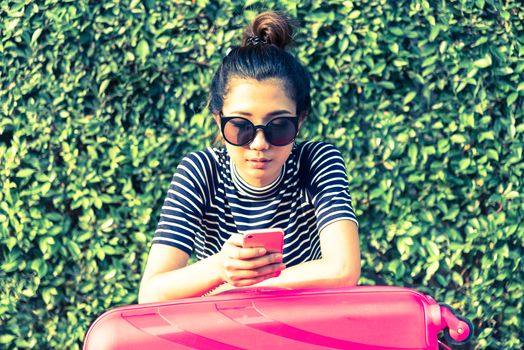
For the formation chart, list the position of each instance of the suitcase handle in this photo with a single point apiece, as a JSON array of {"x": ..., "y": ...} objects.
[
  {"x": 253, "y": 290},
  {"x": 459, "y": 330}
]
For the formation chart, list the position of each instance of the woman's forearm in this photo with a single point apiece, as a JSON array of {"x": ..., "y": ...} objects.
[
  {"x": 316, "y": 273},
  {"x": 190, "y": 281},
  {"x": 201, "y": 277},
  {"x": 339, "y": 265}
]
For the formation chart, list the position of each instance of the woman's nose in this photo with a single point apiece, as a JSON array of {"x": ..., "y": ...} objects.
[{"x": 259, "y": 142}]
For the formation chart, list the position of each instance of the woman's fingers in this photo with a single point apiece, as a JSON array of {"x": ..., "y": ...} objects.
[
  {"x": 240, "y": 278},
  {"x": 235, "y": 239},
  {"x": 245, "y": 253},
  {"x": 253, "y": 263},
  {"x": 250, "y": 281},
  {"x": 247, "y": 266},
  {"x": 234, "y": 250}
]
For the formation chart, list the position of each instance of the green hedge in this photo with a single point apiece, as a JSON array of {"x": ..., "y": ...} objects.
[{"x": 99, "y": 102}]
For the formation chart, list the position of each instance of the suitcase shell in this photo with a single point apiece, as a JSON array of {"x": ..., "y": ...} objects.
[{"x": 360, "y": 318}]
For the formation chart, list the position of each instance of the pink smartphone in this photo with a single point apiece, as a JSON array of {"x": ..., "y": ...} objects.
[{"x": 272, "y": 239}]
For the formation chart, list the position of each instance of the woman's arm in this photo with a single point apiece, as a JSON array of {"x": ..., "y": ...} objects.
[
  {"x": 166, "y": 276},
  {"x": 339, "y": 265}
]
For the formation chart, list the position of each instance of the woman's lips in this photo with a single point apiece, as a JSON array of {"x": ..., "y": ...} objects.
[{"x": 258, "y": 163}]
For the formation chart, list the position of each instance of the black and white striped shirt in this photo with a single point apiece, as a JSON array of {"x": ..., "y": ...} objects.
[{"x": 208, "y": 201}]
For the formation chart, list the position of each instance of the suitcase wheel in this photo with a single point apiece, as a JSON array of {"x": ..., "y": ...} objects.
[{"x": 457, "y": 327}]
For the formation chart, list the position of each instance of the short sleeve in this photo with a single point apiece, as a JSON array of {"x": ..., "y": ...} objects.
[
  {"x": 183, "y": 207},
  {"x": 328, "y": 185}
]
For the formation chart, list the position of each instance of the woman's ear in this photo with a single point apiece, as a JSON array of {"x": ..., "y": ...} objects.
[
  {"x": 218, "y": 137},
  {"x": 217, "y": 118},
  {"x": 301, "y": 118}
]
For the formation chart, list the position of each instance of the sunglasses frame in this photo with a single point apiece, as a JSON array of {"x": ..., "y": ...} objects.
[{"x": 225, "y": 119}]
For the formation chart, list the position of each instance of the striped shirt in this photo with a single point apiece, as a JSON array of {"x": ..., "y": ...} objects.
[{"x": 208, "y": 201}]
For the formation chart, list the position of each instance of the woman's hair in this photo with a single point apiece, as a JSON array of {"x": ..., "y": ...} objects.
[{"x": 263, "y": 56}]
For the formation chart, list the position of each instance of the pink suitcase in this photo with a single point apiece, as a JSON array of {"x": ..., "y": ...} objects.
[{"x": 360, "y": 318}]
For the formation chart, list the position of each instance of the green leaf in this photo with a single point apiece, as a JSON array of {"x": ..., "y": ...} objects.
[
  {"x": 441, "y": 280},
  {"x": 400, "y": 63},
  {"x": 457, "y": 278},
  {"x": 458, "y": 138},
  {"x": 109, "y": 250},
  {"x": 142, "y": 50},
  {"x": 110, "y": 275},
  {"x": 250, "y": 3},
  {"x": 429, "y": 61},
  {"x": 483, "y": 62},
  {"x": 54, "y": 216},
  {"x": 103, "y": 87},
  {"x": 11, "y": 241},
  {"x": 394, "y": 48},
  {"x": 492, "y": 154},
  {"x": 467, "y": 119},
  {"x": 442, "y": 47},
  {"x": 36, "y": 35},
  {"x": 23, "y": 173},
  {"x": 480, "y": 41},
  {"x": 433, "y": 249},
  {"x": 107, "y": 225},
  {"x": 354, "y": 14},
  {"x": 378, "y": 69},
  {"x": 486, "y": 135},
  {"x": 343, "y": 45},
  {"x": 505, "y": 15},
  {"x": 376, "y": 193},
  {"x": 412, "y": 153},
  {"x": 74, "y": 249},
  {"x": 7, "y": 338},
  {"x": 387, "y": 85},
  {"x": 10, "y": 25},
  {"x": 512, "y": 98},
  {"x": 397, "y": 31},
  {"x": 464, "y": 163},
  {"x": 451, "y": 214},
  {"x": 435, "y": 30},
  {"x": 9, "y": 266},
  {"x": 409, "y": 97},
  {"x": 512, "y": 195},
  {"x": 45, "y": 243},
  {"x": 432, "y": 269}
]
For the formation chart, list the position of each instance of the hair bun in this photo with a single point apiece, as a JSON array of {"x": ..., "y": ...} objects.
[{"x": 274, "y": 28}]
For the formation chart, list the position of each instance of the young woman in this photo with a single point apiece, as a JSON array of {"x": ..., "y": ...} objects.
[{"x": 260, "y": 96}]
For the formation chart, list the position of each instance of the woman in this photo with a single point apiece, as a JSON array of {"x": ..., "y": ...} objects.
[{"x": 260, "y": 97}]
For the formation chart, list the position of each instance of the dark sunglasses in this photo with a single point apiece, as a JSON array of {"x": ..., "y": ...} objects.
[{"x": 239, "y": 131}]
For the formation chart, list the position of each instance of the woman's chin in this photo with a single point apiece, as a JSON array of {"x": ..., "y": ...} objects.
[{"x": 259, "y": 177}]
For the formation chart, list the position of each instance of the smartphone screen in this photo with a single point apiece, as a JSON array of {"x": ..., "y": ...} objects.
[{"x": 272, "y": 239}]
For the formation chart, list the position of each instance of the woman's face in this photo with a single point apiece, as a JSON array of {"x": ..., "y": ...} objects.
[{"x": 259, "y": 163}]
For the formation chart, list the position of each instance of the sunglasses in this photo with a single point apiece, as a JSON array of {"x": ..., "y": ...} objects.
[{"x": 239, "y": 131}]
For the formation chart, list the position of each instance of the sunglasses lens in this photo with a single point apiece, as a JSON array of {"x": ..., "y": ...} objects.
[
  {"x": 281, "y": 131},
  {"x": 278, "y": 132},
  {"x": 239, "y": 131}
]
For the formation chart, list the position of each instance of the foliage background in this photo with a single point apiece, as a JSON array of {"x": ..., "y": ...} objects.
[{"x": 100, "y": 100}]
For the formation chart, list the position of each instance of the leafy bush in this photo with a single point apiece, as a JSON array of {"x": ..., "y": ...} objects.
[{"x": 99, "y": 101}]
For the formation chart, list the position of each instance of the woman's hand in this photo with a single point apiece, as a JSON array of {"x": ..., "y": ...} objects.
[{"x": 243, "y": 267}]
